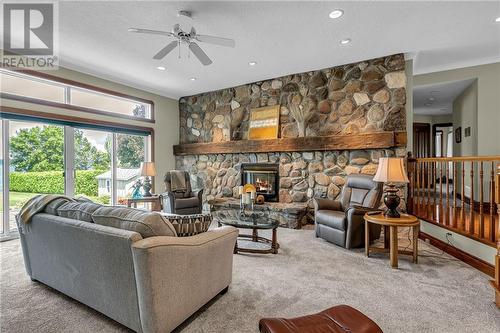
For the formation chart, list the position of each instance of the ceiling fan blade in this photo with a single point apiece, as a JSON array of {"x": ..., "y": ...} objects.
[
  {"x": 216, "y": 40},
  {"x": 148, "y": 31},
  {"x": 198, "y": 52},
  {"x": 166, "y": 50}
]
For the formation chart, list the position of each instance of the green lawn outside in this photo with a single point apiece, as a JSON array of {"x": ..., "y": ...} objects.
[{"x": 17, "y": 199}]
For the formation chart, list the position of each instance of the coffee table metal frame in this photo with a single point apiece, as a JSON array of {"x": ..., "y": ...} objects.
[{"x": 254, "y": 237}]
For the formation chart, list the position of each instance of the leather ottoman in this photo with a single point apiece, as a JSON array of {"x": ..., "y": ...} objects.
[{"x": 338, "y": 319}]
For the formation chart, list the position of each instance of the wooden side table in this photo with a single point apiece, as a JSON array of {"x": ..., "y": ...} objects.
[
  {"x": 390, "y": 225},
  {"x": 154, "y": 200}
]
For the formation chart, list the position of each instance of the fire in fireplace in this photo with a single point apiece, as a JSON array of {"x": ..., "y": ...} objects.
[{"x": 265, "y": 178}]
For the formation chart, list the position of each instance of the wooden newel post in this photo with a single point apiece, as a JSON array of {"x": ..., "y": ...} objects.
[
  {"x": 496, "y": 283},
  {"x": 410, "y": 169}
]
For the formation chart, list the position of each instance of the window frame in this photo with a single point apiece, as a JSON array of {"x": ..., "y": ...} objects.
[
  {"x": 69, "y": 154},
  {"x": 68, "y": 84}
]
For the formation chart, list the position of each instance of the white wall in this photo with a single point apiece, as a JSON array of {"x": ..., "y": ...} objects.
[
  {"x": 477, "y": 249},
  {"x": 465, "y": 114},
  {"x": 166, "y": 126},
  {"x": 488, "y": 101}
]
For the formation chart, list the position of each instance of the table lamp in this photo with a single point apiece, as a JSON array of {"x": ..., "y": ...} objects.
[
  {"x": 390, "y": 171},
  {"x": 147, "y": 170}
]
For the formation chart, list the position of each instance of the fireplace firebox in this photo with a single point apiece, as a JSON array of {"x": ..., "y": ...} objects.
[{"x": 265, "y": 178}]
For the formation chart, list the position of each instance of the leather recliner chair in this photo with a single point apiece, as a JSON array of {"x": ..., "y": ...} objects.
[
  {"x": 341, "y": 222},
  {"x": 181, "y": 202}
]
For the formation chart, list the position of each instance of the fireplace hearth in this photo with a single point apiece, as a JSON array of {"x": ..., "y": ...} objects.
[{"x": 265, "y": 178}]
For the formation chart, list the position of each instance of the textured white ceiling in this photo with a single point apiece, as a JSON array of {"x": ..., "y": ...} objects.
[
  {"x": 283, "y": 37},
  {"x": 437, "y": 99}
]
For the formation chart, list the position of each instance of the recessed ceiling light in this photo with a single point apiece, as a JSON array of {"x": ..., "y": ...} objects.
[
  {"x": 497, "y": 19},
  {"x": 133, "y": 30},
  {"x": 432, "y": 99},
  {"x": 252, "y": 63},
  {"x": 345, "y": 41},
  {"x": 161, "y": 68},
  {"x": 192, "y": 79},
  {"x": 336, "y": 13}
]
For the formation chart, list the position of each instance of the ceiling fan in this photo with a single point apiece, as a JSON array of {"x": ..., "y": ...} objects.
[{"x": 189, "y": 38}]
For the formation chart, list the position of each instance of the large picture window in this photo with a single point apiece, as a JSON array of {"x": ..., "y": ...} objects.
[
  {"x": 40, "y": 156},
  {"x": 57, "y": 92}
]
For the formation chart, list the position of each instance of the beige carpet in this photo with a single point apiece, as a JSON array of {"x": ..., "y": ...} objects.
[{"x": 440, "y": 294}]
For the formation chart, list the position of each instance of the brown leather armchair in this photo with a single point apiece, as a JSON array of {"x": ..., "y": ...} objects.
[
  {"x": 341, "y": 222},
  {"x": 181, "y": 202}
]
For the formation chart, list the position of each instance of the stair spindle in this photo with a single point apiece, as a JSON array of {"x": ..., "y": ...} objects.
[
  {"x": 491, "y": 235},
  {"x": 440, "y": 216},
  {"x": 471, "y": 205},
  {"x": 429, "y": 177},
  {"x": 418, "y": 186},
  {"x": 447, "y": 212},
  {"x": 455, "y": 175},
  {"x": 462, "y": 211}
]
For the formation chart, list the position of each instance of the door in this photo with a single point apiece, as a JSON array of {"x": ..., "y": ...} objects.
[
  {"x": 422, "y": 148},
  {"x": 421, "y": 140}
]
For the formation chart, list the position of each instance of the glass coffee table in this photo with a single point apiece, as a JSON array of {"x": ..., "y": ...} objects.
[{"x": 255, "y": 220}]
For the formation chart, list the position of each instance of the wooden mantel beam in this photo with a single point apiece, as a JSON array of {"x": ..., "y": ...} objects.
[{"x": 376, "y": 140}]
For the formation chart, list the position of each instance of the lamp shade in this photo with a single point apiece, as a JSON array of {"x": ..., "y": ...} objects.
[
  {"x": 391, "y": 170},
  {"x": 148, "y": 169}
]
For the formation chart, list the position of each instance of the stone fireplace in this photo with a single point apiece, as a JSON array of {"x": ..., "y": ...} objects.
[
  {"x": 265, "y": 178},
  {"x": 348, "y": 101}
]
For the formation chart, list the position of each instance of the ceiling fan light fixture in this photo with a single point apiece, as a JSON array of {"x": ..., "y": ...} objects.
[
  {"x": 252, "y": 63},
  {"x": 345, "y": 41},
  {"x": 192, "y": 79},
  {"x": 161, "y": 68},
  {"x": 336, "y": 13}
]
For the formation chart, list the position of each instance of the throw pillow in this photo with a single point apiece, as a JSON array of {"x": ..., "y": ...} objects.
[{"x": 189, "y": 225}]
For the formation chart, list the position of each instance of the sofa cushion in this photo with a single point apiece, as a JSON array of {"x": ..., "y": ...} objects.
[
  {"x": 51, "y": 207},
  {"x": 81, "y": 211},
  {"x": 332, "y": 218},
  {"x": 189, "y": 225},
  {"x": 148, "y": 224},
  {"x": 186, "y": 203}
]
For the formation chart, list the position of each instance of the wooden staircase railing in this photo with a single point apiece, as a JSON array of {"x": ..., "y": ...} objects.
[{"x": 457, "y": 193}]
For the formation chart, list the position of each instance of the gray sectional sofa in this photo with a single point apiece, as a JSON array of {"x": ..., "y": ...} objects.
[{"x": 127, "y": 263}]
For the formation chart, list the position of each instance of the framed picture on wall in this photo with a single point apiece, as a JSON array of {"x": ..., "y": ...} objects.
[
  {"x": 458, "y": 135},
  {"x": 264, "y": 123}
]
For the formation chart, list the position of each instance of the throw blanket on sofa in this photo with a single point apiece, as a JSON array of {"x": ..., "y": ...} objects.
[
  {"x": 177, "y": 181},
  {"x": 36, "y": 205}
]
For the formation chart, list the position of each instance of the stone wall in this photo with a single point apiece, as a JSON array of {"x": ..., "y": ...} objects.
[
  {"x": 368, "y": 96},
  {"x": 303, "y": 175},
  {"x": 363, "y": 97}
]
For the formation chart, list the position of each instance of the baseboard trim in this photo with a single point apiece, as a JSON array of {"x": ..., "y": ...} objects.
[{"x": 469, "y": 259}]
